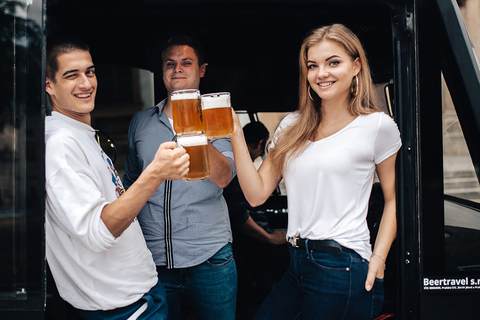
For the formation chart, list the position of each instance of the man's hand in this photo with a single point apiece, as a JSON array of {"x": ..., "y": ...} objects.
[
  {"x": 170, "y": 162},
  {"x": 252, "y": 229},
  {"x": 278, "y": 237}
]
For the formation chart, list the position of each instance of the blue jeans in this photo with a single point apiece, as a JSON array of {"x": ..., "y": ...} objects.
[
  {"x": 156, "y": 308},
  {"x": 323, "y": 286},
  {"x": 211, "y": 286}
]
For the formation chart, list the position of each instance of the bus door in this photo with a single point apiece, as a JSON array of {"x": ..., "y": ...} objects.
[
  {"x": 22, "y": 178},
  {"x": 442, "y": 257}
]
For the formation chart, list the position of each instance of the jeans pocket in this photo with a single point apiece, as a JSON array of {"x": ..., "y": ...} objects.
[
  {"x": 330, "y": 262},
  {"x": 222, "y": 257},
  {"x": 377, "y": 297}
]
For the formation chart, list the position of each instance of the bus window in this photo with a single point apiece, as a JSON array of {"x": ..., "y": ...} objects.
[
  {"x": 462, "y": 220},
  {"x": 460, "y": 179}
]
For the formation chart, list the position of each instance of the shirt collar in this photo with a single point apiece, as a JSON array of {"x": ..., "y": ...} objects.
[
  {"x": 162, "y": 115},
  {"x": 161, "y": 105},
  {"x": 72, "y": 122}
]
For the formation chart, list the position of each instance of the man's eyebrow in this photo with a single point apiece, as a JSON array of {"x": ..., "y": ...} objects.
[
  {"x": 187, "y": 58},
  {"x": 69, "y": 71},
  {"x": 76, "y": 70}
]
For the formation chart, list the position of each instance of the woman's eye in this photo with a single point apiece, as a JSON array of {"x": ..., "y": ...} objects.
[
  {"x": 334, "y": 63},
  {"x": 312, "y": 66}
]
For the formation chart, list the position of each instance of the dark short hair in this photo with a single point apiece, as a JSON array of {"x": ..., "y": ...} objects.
[
  {"x": 184, "y": 40},
  {"x": 57, "y": 46},
  {"x": 255, "y": 132}
]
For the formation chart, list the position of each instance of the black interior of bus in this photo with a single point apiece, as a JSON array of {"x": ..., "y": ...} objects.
[{"x": 251, "y": 48}]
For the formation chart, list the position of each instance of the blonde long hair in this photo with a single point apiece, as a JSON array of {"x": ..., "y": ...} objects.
[{"x": 294, "y": 139}]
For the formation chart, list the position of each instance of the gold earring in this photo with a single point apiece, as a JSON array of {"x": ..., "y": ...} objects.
[
  {"x": 309, "y": 94},
  {"x": 356, "y": 87}
]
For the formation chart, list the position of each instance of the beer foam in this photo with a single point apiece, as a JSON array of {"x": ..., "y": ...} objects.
[
  {"x": 191, "y": 141},
  {"x": 184, "y": 96},
  {"x": 210, "y": 101}
]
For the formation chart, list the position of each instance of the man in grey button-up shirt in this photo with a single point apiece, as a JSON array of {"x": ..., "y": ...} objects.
[{"x": 188, "y": 232}]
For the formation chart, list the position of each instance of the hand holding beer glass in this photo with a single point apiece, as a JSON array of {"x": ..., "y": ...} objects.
[
  {"x": 217, "y": 115},
  {"x": 192, "y": 117},
  {"x": 196, "y": 147},
  {"x": 187, "y": 112}
]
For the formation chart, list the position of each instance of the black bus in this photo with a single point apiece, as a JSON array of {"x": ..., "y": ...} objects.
[{"x": 424, "y": 66}]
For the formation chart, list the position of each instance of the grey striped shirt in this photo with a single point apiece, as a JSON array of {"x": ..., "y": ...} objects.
[{"x": 199, "y": 216}]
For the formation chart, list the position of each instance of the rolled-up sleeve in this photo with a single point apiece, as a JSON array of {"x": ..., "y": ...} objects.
[
  {"x": 77, "y": 209},
  {"x": 77, "y": 192}
]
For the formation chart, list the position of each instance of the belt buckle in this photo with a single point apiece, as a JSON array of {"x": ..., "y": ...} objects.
[{"x": 293, "y": 242}]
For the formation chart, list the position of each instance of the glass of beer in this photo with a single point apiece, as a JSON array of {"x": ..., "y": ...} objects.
[
  {"x": 217, "y": 115},
  {"x": 187, "y": 112},
  {"x": 196, "y": 147}
]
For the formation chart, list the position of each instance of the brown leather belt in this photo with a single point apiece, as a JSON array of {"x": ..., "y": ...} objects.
[{"x": 327, "y": 246}]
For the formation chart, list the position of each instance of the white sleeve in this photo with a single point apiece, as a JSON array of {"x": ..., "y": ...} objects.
[
  {"x": 74, "y": 196},
  {"x": 388, "y": 140}
]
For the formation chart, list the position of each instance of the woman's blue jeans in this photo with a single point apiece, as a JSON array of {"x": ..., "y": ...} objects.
[
  {"x": 211, "y": 286},
  {"x": 323, "y": 286}
]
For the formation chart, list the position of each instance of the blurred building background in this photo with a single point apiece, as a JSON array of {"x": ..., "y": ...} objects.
[{"x": 459, "y": 174}]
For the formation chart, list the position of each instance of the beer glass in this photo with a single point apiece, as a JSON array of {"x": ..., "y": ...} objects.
[
  {"x": 187, "y": 112},
  {"x": 196, "y": 147},
  {"x": 217, "y": 115}
]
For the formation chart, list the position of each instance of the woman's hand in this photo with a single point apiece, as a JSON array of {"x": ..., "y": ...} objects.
[
  {"x": 237, "y": 127},
  {"x": 376, "y": 269},
  {"x": 388, "y": 225}
]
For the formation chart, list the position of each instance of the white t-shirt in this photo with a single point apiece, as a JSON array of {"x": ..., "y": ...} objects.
[
  {"x": 92, "y": 269},
  {"x": 329, "y": 184}
]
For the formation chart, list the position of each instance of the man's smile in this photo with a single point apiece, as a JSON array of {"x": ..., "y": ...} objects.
[{"x": 83, "y": 95}]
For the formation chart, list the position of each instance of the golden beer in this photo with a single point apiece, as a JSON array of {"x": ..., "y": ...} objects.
[
  {"x": 187, "y": 112},
  {"x": 217, "y": 115},
  {"x": 196, "y": 147}
]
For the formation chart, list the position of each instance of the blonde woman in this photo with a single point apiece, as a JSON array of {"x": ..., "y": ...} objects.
[{"x": 327, "y": 152}]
